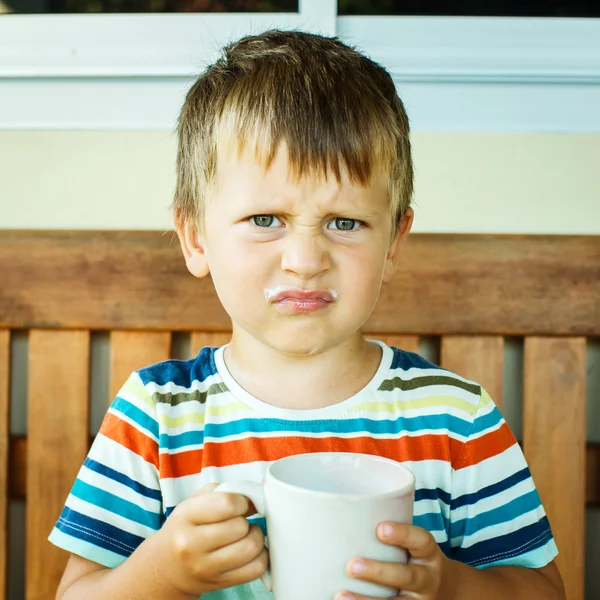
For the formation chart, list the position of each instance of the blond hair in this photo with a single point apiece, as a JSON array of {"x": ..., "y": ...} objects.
[{"x": 332, "y": 106}]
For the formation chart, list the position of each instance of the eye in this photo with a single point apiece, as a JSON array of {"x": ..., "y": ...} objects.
[
  {"x": 342, "y": 224},
  {"x": 265, "y": 221}
]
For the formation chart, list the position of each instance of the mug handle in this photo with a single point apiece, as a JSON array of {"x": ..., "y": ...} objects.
[{"x": 256, "y": 493}]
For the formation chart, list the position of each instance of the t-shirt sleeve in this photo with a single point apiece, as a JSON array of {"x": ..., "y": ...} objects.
[
  {"x": 496, "y": 515},
  {"x": 115, "y": 502}
]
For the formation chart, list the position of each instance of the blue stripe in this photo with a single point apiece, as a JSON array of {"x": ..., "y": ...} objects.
[
  {"x": 433, "y": 521},
  {"x": 340, "y": 426},
  {"x": 512, "y": 544},
  {"x": 486, "y": 421},
  {"x": 503, "y": 514},
  {"x": 261, "y": 522},
  {"x": 189, "y": 438},
  {"x": 135, "y": 414},
  {"x": 445, "y": 548},
  {"x": 491, "y": 490},
  {"x": 124, "y": 479},
  {"x": 181, "y": 372},
  {"x": 408, "y": 360},
  {"x": 116, "y": 505},
  {"x": 432, "y": 494},
  {"x": 98, "y": 533}
]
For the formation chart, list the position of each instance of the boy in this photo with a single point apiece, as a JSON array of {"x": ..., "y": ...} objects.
[{"x": 293, "y": 191}]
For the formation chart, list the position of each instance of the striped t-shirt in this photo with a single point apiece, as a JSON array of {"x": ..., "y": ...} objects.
[{"x": 178, "y": 425}]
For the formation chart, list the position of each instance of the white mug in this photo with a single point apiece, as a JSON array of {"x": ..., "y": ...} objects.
[{"x": 323, "y": 509}]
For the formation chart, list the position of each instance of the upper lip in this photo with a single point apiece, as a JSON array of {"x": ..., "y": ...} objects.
[{"x": 300, "y": 294}]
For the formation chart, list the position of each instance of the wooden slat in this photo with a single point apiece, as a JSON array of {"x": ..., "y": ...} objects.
[
  {"x": 410, "y": 343},
  {"x": 4, "y": 449},
  {"x": 131, "y": 350},
  {"x": 446, "y": 284},
  {"x": 554, "y": 430},
  {"x": 199, "y": 339},
  {"x": 480, "y": 358},
  {"x": 58, "y": 434}
]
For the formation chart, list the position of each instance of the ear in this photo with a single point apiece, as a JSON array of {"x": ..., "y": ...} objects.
[
  {"x": 192, "y": 247},
  {"x": 393, "y": 255}
]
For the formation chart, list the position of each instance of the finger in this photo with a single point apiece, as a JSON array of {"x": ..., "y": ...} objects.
[
  {"x": 213, "y": 536},
  {"x": 400, "y": 576},
  {"x": 248, "y": 572},
  {"x": 213, "y": 507},
  {"x": 237, "y": 554},
  {"x": 418, "y": 541}
]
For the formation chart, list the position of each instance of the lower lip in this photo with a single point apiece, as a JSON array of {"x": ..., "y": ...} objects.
[{"x": 301, "y": 305}]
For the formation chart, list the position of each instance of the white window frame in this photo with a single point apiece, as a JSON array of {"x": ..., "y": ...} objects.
[{"x": 131, "y": 71}]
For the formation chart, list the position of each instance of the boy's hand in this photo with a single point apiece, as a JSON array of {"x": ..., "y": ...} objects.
[
  {"x": 425, "y": 575},
  {"x": 209, "y": 545}
]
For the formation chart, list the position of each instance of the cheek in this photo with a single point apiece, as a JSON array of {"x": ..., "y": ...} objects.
[
  {"x": 366, "y": 266},
  {"x": 237, "y": 264}
]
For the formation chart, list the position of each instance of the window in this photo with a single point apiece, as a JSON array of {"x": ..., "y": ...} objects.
[
  {"x": 458, "y": 67},
  {"x": 147, "y": 6},
  {"x": 489, "y": 8}
]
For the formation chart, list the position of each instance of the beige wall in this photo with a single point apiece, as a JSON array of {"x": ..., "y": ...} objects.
[{"x": 465, "y": 182}]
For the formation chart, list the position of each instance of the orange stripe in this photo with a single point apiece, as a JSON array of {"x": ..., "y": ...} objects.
[
  {"x": 181, "y": 464},
  {"x": 425, "y": 447},
  {"x": 485, "y": 447},
  {"x": 131, "y": 438}
]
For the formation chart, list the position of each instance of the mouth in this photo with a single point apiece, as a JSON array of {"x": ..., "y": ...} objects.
[{"x": 297, "y": 300}]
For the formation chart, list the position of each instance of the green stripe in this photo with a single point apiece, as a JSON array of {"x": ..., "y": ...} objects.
[
  {"x": 181, "y": 397},
  {"x": 419, "y": 382}
]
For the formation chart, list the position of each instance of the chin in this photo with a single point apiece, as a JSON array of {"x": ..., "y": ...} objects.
[
  {"x": 296, "y": 349},
  {"x": 295, "y": 343}
]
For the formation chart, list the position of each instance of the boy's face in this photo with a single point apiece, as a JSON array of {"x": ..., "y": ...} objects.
[{"x": 297, "y": 265}]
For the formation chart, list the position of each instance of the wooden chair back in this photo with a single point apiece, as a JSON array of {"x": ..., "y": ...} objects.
[{"x": 469, "y": 291}]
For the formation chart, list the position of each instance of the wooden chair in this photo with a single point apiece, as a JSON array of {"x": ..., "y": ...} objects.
[{"x": 471, "y": 290}]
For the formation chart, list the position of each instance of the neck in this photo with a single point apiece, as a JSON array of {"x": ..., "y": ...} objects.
[{"x": 301, "y": 381}]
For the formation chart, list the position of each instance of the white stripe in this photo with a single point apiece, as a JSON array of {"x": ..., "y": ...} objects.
[
  {"x": 327, "y": 434},
  {"x": 184, "y": 409},
  {"x": 174, "y": 451},
  {"x": 175, "y": 490},
  {"x": 106, "y": 516},
  {"x": 111, "y": 454},
  {"x": 489, "y": 471},
  {"x": 187, "y": 428}
]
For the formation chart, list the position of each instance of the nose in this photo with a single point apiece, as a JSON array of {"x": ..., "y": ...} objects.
[{"x": 305, "y": 255}]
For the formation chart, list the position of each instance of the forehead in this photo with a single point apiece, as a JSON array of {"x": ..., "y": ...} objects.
[{"x": 281, "y": 179}]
